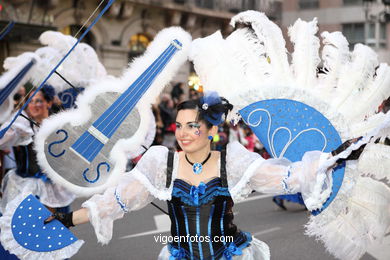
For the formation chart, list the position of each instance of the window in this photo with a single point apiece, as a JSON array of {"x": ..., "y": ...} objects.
[
  {"x": 382, "y": 35},
  {"x": 376, "y": 35},
  {"x": 308, "y": 4},
  {"x": 353, "y": 2},
  {"x": 205, "y": 4},
  {"x": 138, "y": 44},
  {"x": 373, "y": 34},
  {"x": 354, "y": 32}
]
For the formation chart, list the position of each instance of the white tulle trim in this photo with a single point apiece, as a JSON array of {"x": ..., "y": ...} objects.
[
  {"x": 50, "y": 194},
  {"x": 239, "y": 192},
  {"x": 157, "y": 193},
  {"x": 380, "y": 131},
  {"x": 95, "y": 220},
  {"x": 10, "y": 244},
  {"x": 359, "y": 215},
  {"x": 356, "y": 219},
  {"x": 319, "y": 195}
]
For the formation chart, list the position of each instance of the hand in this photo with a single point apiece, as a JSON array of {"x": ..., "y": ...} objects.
[
  {"x": 355, "y": 154},
  {"x": 65, "y": 218}
]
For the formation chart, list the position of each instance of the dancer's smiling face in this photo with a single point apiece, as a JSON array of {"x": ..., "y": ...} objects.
[{"x": 191, "y": 134}]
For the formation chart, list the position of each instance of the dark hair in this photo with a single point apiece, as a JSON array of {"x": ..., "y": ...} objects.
[
  {"x": 213, "y": 111},
  {"x": 48, "y": 92}
]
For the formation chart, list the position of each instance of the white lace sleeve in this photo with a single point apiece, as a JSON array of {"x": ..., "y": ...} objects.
[
  {"x": 20, "y": 133},
  {"x": 135, "y": 190},
  {"x": 249, "y": 171}
]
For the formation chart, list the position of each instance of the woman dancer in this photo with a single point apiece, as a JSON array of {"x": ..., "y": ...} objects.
[
  {"x": 200, "y": 187},
  {"x": 27, "y": 176}
]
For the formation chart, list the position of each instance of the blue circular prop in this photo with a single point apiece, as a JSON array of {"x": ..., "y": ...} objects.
[
  {"x": 289, "y": 128},
  {"x": 31, "y": 233}
]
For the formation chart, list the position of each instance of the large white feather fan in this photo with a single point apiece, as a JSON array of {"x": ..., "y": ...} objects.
[{"x": 252, "y": 64}]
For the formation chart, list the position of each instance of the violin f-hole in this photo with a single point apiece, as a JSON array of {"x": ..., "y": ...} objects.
[
  {"x": 58, "y": 142},
  {"x": 97, "y": 172}
]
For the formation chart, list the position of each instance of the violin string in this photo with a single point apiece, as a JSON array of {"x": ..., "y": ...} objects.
[
  {"x": 163, "y": 63},
  {"x": 89, "y": 18},
  {"x": 142, "y": 81},
  {"x": 140, "y": 89},
  {"x": 116, "y": 106},
  {"x": 151, "y": 70},
  {"x": 142, "y": 76},
  {"x": 66, "y": 81}
]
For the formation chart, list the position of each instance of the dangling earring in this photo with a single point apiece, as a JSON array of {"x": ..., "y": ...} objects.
[{"x": 210, "y": 137}]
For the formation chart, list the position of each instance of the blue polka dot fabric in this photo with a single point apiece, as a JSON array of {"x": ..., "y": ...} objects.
[
  {"x": 31, "y": 233},
  {"x": 288, "y": 128}
]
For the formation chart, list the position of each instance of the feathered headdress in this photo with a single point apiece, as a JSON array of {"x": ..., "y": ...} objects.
[{"x": 214, "y": 108}]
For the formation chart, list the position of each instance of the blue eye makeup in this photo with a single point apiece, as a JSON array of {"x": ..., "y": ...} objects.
[{"x": 194, "y": 125}]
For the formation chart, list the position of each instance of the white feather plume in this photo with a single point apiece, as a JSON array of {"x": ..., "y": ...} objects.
[
  {"x": 305, "y": 57},
  {"x": 356, "y": 75},
  {"x": 271, "y": 35}
]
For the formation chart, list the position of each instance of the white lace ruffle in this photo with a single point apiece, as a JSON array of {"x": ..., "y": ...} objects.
[
  {"x": 104, "y": 209},
  {"x": 242, "y": 189},
  {"x": 151, "y": 171},
  {"x": 102, "y": 226},
  {"x": 10, "y": 244},
  {"x": 157, "y": 193},
  {"x": 317, "y": 190},
  {"x": 50, "y": 194},
  {"x": 240, "y": 167},
  {"x": 356, "y": 219}
]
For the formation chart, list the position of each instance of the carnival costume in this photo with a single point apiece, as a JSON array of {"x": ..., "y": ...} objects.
[
  {"x": 261, "y": 71},
  {"x": 31, "y": 67},
  {"x": 28, "y": 177}
]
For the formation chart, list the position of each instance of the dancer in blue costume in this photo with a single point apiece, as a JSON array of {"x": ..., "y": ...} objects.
[
  {"x": 200, "y": 187},
  {"x": 27, "y": 176}
]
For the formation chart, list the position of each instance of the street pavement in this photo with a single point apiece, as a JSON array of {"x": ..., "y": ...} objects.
[{"x": 283, "y": 231}]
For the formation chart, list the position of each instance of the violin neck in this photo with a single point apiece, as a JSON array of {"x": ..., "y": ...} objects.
[
  {"x": 9, "y": 88},
  {"x": 89, "y": 144}
]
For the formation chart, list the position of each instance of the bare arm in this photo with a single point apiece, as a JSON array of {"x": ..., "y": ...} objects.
[{"x": 80, "y": 216}]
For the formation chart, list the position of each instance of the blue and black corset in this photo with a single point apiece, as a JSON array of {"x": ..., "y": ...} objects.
[
  {"x": 27, "y": 163},
  {"x": 203, "y": 214}
]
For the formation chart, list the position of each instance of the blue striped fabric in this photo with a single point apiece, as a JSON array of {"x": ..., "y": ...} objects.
[
  {"x": 187, "y": 230},
  {"x": 209, "y": 230},
  {"x": 198, "y": 231}
]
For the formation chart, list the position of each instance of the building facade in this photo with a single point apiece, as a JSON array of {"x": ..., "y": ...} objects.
[
  {"x": 361, "y": 21},
  {"x": 125, "y": 30}
]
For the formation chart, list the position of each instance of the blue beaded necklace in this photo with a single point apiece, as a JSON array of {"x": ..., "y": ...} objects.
[{"x": 197, "y": 167}]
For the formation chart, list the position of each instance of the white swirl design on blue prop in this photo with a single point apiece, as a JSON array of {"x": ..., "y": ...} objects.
[
  {"x": 67, "y": 99},
  {"x": 272, "y": 137}
]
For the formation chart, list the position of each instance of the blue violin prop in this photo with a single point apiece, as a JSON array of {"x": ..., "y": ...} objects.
[{"x": 85, "y": 149}]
